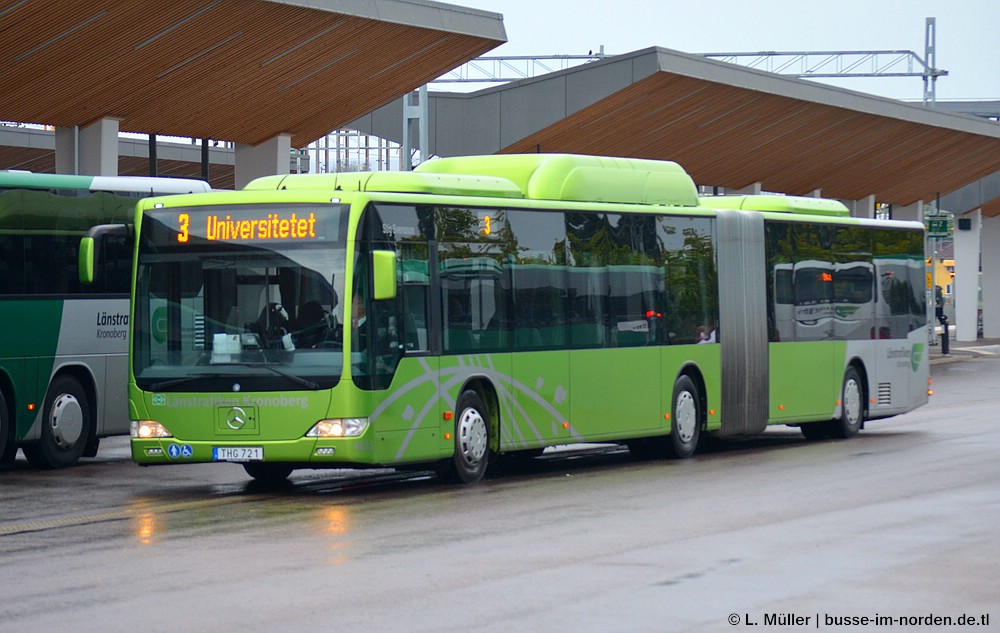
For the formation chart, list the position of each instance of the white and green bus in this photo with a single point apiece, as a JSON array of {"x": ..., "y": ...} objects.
[
  {"x": 481, "y": 307},
  {"x": 63, "y": 345}
]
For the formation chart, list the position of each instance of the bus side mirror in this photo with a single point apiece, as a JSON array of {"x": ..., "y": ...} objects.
[
  {"x": 384, "y": 272},
  {"x": 86, "y": 262},
  {"x": 90, "y": 248}
]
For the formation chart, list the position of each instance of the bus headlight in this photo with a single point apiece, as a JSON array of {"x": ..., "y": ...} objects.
[
  {"x": 340, "y": 427},
  {"x": 148, "y": 429}
]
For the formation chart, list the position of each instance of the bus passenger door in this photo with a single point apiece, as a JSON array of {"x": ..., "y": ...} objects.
[{"x": 540, "y": 364}]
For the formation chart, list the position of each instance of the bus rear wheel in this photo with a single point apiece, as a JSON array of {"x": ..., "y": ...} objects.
[
  {"x": 66, "y": 426},
  {"x": 814, "y": 430},
  {"x": 685, "y": 418},
  {"x": 852, "y": 407},
  {"x": 685, "y": 426},
  {"x": 472, "y": 440}
]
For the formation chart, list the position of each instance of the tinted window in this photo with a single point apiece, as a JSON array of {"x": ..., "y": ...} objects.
[
  {"x": 844, "y": 282},
  {"x": 687, "y": 256}
]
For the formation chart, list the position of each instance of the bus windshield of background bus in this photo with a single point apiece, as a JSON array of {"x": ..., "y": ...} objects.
[{"x": 249, "y": 293}]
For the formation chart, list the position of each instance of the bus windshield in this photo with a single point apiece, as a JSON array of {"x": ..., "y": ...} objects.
[{"x": 240, "y": 295}]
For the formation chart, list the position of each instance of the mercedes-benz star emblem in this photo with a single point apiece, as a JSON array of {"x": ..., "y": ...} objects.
[{"x": 236, "y": 418}]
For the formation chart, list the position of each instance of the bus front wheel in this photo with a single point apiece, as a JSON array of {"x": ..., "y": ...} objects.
[
  {"x": 66, "y": 426},
  {"x": 269, "y": 474},
  {"x": 472, "y": 440}
]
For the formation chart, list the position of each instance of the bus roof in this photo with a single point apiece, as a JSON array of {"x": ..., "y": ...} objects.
[
  {"x": 119, "y": 184},
  {"x": 778, "y": 203},
  {"x": 390, "y": 182},
  {"x": 532, "y": 176},
  {"x": 579, "y": 178}
]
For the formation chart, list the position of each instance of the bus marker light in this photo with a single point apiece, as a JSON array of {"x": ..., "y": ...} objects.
[
  {"x": 872, "y": 400},
  {"x": 565, "y": 425},
  {"x": 666, "y": 416},
  {"x": 781, "y": 407},
  {"x": 447, "y": 436},
  {"x": 930, "y": 392},
  {"x": 448, "y": 415},
  {"x": 839, "y": 403},
  {"x": 31, "y": 406},
  {"x": 711, "y": 411}
]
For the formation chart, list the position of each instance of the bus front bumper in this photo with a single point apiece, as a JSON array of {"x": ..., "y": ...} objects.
[{"x": 307, "y": 451}]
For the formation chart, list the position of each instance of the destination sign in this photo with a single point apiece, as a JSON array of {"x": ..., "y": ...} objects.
[
  {"x": 255, "y": 223},
  {"x": 274, "y": 226}
]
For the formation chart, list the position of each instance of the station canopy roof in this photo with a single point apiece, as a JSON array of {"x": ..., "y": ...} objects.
[
  {"x": 234, "y": 70},
  {"x": 730, "y": 126},
  {"x": 739, "y": 126}
]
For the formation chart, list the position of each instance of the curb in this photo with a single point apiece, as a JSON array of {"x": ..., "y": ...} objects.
[{"x": 964, "y": 353}]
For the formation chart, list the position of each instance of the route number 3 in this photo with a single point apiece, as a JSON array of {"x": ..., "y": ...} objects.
[{"x": 184, "y": 224}]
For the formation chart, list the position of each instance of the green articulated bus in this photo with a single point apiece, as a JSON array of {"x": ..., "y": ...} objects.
[
  {"x": 63, "y": 346},
  {"x": 487, "y": 306}
]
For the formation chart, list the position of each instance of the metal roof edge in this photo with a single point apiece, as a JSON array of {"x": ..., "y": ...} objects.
[
  {"x": 419, "y": 13},
  {"x": 650, "y": 52},
  {"x": 699, "y": 67},
  {"x": 706, "y": 69}
]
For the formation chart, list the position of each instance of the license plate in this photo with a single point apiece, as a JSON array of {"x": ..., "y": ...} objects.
[{"x": 238, "y": 453}]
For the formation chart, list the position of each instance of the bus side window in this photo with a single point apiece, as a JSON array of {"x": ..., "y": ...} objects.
[
  {"x": 114, "y": 270},
  {"x": 11, "y": 265}
]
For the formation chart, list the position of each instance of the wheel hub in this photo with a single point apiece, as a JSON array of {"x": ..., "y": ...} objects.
[
  {"x": 472, "y": 436},
  {"x": 66, "y": 420},
  {"x": 852, "y": 402},
  {"x": 685, "y": 416}
]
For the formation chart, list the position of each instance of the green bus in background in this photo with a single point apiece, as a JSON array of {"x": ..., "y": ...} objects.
[
  {"x": 63, "y": 344},
  {"x": 487, "y": 306}
]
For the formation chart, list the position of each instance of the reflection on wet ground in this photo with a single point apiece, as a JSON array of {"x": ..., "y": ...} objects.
[{"x": 333, "y": 502}]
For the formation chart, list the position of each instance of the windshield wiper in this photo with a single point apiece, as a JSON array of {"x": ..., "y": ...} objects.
[
  {"x": 173, "y": 382},
  {"x": 299, "y": 380}
]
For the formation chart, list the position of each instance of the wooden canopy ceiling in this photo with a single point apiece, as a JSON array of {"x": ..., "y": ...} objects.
[
  {"x": 235, "y": 70},
  {"x": 793, "y": 136}
]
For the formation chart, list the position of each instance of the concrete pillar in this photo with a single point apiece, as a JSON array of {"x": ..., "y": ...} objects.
[
  {"x": 967, "y": 275},
  {"x": 270, "y": 157},
  {"x": 67, "y": 156},
  {"x": 752, "y": 189},
  {"x": 991, "y": 277},
  {"x": 863, "y": 208},
  {"x": 99, "y": 148},
  {"x": 913, "y": 211},
  {"x": 90, "y": 150}
]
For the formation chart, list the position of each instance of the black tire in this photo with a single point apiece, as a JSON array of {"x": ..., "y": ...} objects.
[
  {"x": 685, "y": 427},
  {"x": 814, "y": 430},
  {"x": 66, "y": 426},
  {"x": 852, "y": 408},
  {"x": 647, "y": 448},
  {"x": 269, "y": 474},
  {"x": 472, "y": 440},
  {"x": 685, "y": 419},
  {"x": 8, "y": 448}
]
